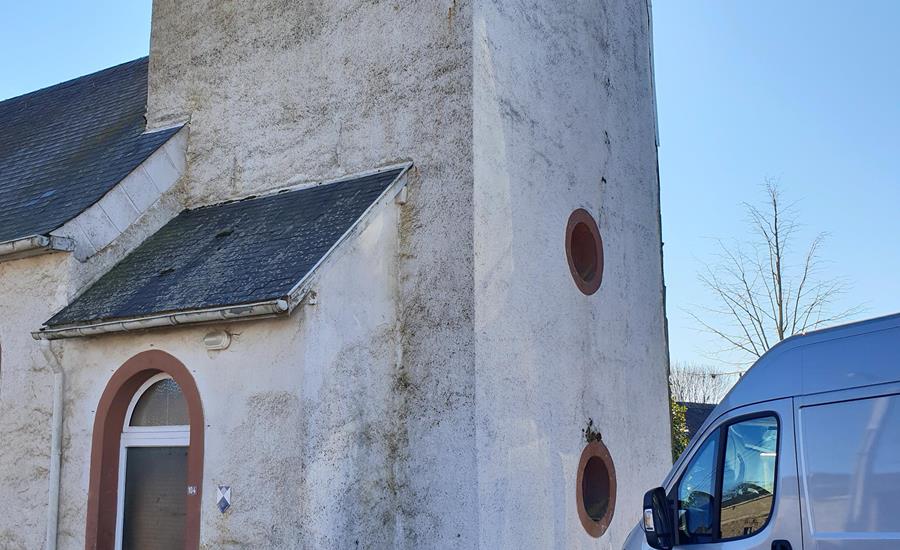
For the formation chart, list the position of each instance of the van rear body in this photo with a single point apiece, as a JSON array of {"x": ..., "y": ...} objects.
[{"x": 803, "y": 453}]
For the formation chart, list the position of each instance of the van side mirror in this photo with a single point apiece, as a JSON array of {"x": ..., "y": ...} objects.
[{"x": 658, "y": 521}]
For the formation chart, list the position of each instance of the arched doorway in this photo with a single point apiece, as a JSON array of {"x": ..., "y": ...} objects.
[{"x": 146, "y": 458}]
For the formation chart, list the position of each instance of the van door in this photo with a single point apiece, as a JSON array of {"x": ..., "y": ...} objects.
[
  {"x": 739, "y": 490},
  {"x": 849, "y": 446}
]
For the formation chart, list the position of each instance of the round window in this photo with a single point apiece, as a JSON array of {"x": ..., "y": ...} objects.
[
  {"x": 584, "y": 249},
  {"x": 596, "y": 489}
]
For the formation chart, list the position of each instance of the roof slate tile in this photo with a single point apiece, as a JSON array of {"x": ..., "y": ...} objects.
[
  {"x": 233, "y": 253},
  {"x": 62, "y": 148}
]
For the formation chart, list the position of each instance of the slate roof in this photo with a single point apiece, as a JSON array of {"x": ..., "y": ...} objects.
[
  {"x": 64, "y": 147},
  {"x": 695, "y": 415},
  {"x": 249, "y": 251}
]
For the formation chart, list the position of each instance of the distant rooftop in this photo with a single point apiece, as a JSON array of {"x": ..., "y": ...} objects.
[
  {"x": 230, "y": 254},
  {"x": 695, "y": 415},
  {"x": 62, "y": 148}
]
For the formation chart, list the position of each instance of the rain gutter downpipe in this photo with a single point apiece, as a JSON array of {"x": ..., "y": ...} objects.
[{"x": 55, "y": 444}]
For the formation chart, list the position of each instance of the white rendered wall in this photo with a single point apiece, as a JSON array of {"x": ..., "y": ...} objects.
[
  {"x": 301, "y": 419},
  {"x": 31, "y": 290},
  {"x": 564, "y": 119}
]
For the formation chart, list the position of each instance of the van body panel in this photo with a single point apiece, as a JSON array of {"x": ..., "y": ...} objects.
[
  {"x": 834, "y": 359},
  {"x": 839, "y": 358},
  {"x": 851, "y": 362},
  {"x": 849, "y": 449}
]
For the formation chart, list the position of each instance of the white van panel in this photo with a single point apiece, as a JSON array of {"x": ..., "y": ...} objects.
[{"x": 850, "y": 459}]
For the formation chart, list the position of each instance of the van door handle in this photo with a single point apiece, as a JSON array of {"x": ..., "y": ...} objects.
[{"x": 781, "y": 545}]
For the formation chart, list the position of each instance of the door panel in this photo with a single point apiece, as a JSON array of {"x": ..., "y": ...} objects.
[
  {"x": 155, "y": 495},
  {"x": 757, "y": 501}
]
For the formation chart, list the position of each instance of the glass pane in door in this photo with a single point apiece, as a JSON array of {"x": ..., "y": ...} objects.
[
  {"x": 696, "y": 495},
  {"x": 155, "y": 493},
  {"x": 748, "y": 476}
]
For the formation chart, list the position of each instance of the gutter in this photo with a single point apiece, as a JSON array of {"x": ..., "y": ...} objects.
[
  {"x": 34, "y": 245},
  {"x": 268, "y": 308},
  {"x": 55, "y": 446}
]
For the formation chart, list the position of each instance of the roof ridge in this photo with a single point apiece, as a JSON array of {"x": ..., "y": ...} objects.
[{"x": 72, "y": 81}]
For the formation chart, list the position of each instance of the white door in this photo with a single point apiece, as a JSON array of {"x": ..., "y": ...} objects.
[{"x": 153, "y": 468}]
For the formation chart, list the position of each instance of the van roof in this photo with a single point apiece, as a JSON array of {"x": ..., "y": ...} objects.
[{"x": 847, "y": 356}]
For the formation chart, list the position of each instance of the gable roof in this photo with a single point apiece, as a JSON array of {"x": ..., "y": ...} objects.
[
  {"x": 256, "y": 251},
  {"x": 63, "y": 147}
]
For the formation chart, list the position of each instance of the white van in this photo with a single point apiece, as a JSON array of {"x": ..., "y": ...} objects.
[{"x": 803, "y": 453}]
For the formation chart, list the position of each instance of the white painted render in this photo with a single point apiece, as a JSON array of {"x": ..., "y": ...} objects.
[
  {"x": 33, "y": 289},
  {"x": 30, "y": 290},
  {"x": 279, "y": 92},
  {"x": 564, "y": 119}
]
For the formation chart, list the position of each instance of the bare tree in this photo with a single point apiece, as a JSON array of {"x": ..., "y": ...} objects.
[
  {"x": 765, "y": 291},
  {"x": 692, "y": 383}
]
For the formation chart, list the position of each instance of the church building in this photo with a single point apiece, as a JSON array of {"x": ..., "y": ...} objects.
[{"x": 337, "y": 275}]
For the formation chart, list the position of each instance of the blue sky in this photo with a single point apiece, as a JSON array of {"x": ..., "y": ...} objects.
[
  {"x": 805, "y": 92},
  {"x": 49, "y": 41},
  {"x": 802, "y": 91}
]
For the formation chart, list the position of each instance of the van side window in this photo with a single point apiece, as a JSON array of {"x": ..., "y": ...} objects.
[
  {"x": 748, "y": 476},
  {"x": 696, "y": 495}
]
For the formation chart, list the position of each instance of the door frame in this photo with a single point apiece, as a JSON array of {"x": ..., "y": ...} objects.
[{"x": 109, "y": 416}]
